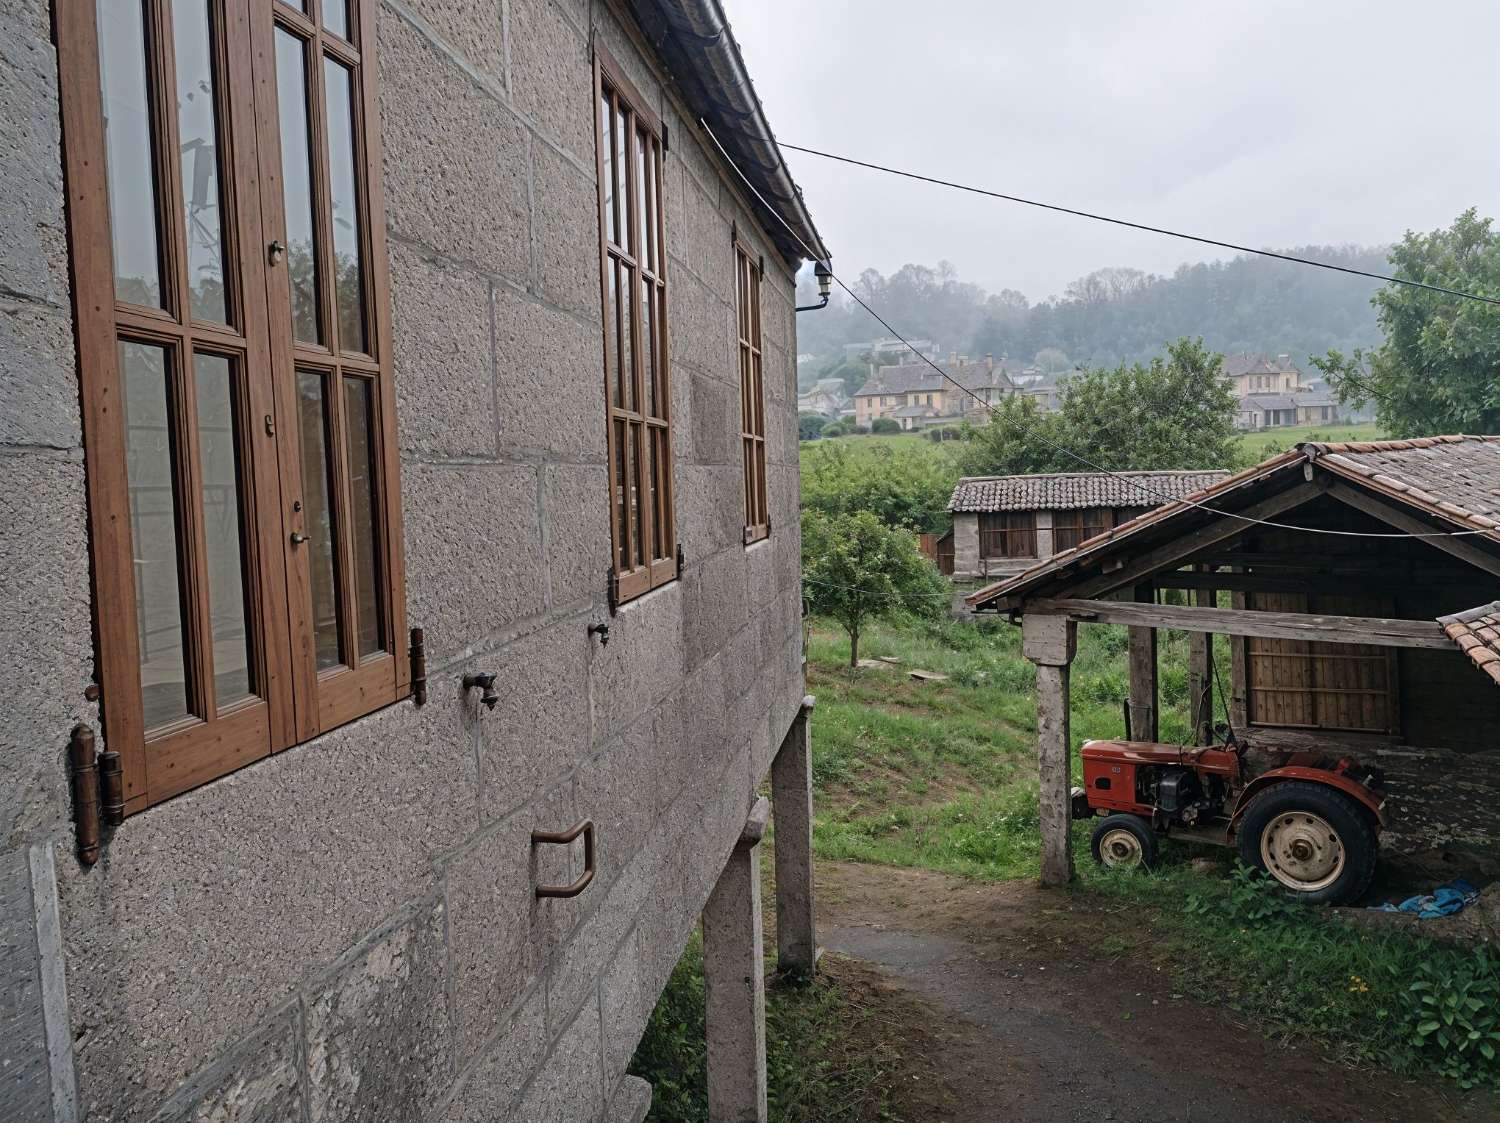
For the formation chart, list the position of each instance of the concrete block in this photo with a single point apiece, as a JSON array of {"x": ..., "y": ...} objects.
[
  {"x": 378, "y": 1032},
  {"x": 255, "y": 1082},
  {"x": 490, "y": 1087},
  {"x": 455, "y": 157},
  {"x": 551, "y": 78},
  {"x": 624, "y": 1006},
  {"x": 33, "y": 233},
  {"x": 672, "y": 750},
  {"x": 716, "y": 418},
  {"x": 576, "y": 506},
  {"x": 570, "y": 1087},
  {"x": 761, "y": 573},
  {"x": 499, "y": 933},
  {"x": 701, "y": 324},
  {"x": 734, "y": 992},
  {"x": 565, "y": 220},
  {"x": 445, "y": 392},
  {"x": 616, "y": 789},
  {"x": 25, "y": 1074},
  {"x": 710, "y": 509},
  {"x": 183, "y": 934},
  {"x": 473, "y": 32},
  {"x": 473, "y": 552},
  {"x": 540, "y": 729},
  {"x": 703, "y": 727},
  {"x": 573, "y": 972},
  {"x": 631, "y": 1101},
  {"x": 715, "y": 603},
  {"x": 1049, "y": 640},
  {"x": 549, "y": 378},
  {"x": 45, "y": 633},
  {"x": 643, "y": 662},
  {"x": 709, "y": 238},
  {"x": 38, "y": 377}
]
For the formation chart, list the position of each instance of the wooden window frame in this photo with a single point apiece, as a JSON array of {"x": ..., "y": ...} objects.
[
  {"x": 1007, "y": 534},
  {"x": 749, "y": 269},
  {"x": 292, "y": 701},
  {"x": 1079, "y": 524},
  {"x": 640, "y": 518}
]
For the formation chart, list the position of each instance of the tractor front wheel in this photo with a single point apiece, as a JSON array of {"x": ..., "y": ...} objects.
[
  {"x": 1124, "y": 842},
  {"x": 1312, "y": 839}
]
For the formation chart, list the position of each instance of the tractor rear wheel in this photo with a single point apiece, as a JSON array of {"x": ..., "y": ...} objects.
[
  {"x": 1314, "y": 840},
  {"x": 1124, "y": 842}
]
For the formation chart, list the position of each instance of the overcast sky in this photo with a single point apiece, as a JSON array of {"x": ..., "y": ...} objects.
[{"x": 1272, "y": 124}]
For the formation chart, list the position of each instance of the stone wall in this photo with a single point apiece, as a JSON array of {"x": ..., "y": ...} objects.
[{"x": 348, "y": 929}]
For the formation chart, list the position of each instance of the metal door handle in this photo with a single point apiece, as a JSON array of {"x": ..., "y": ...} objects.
[
  {"x": 298, "y": 538},
  {"x": 562, "y": 838},
  {"x": 276, "y": 251}
]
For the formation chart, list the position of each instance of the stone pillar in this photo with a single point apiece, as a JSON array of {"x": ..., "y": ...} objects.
[
  {"x": 1050, "y": 642},
  {"x": 1044, "y": 541},
  {"x": 791, "y": 796},
  {"x": 965, "y": 544},
  {"x": 734, "y": 983},
  {"x": 1143, "y": 705}
]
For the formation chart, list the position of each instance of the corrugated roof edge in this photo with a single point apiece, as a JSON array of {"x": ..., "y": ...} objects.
[{"x": 695, "y": 42}]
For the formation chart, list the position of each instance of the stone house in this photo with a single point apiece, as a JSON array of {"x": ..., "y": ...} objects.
[
  {"x": 400, "y": 555},
  {"x": 1252, "y": 374},
  {"x": 916, "y": 395},
  {"x": 1004, "y": 525}
]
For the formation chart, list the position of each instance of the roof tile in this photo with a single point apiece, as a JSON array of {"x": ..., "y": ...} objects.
[{"x": 1070, "y": 490}]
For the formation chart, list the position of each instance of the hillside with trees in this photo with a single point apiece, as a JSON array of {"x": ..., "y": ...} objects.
[{"x": 1113, "y": 315}]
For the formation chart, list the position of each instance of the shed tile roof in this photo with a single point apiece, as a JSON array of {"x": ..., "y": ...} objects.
[
  {"x": 1069, "y": 490},
  {"x": 1477, "y": 633},
  {"x": 1269, "y": 401},
  {"x": 916, "y": 378}
]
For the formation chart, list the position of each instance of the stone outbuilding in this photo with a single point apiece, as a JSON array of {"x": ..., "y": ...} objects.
[
  {"x": 1005, "y": 524},
  {"x": 1356, "y": 584},
  {"x": 400, "y": 558}
]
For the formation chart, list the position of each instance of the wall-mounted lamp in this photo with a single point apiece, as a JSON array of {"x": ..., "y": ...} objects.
[{"x": 825, "y": 286}]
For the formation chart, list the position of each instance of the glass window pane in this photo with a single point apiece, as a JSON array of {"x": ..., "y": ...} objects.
[
  {"x": 127, "y": 151},
  {"x": 317, "y": 517},
  {"x": 637, "y": 507},
  {"x": 336, "y": 17},
  {"x": 364, "y": 515},
  {"x": 612, "y": 325},
  {"x": 301, "y": 260},
  {"x": 197, "y": 107},
  {"x": 626, "y": 363},
  {"x": 643, "y": 194},
  {"x": 648, "y": 348},
  {"x": 223, "y": 522},
  {"x": 348, "y": 257},
  {"x": 622, "y": 178},
  {"x": 150, "y": 454},
  {"x": 607, "y": 145}
]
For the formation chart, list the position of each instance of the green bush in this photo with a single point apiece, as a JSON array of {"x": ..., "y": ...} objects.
[{"x": 885, "y": 425}]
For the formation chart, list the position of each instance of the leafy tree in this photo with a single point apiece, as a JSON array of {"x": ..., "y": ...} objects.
[
  {"x": 810, "y": 426},
  {"x": 856, "y": 569},
  {"x": 1175, "y": 412},
  {"x": 1438, "y": 370},
  {"x": 903, "y": 487},
  {"x": 885, "y": 425}
]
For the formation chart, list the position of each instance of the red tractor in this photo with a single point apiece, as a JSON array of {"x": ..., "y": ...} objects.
[{"x": 1311, "y": 822}]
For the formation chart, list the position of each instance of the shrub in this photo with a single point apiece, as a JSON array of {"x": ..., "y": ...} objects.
[{"x": 885, "y": 425}]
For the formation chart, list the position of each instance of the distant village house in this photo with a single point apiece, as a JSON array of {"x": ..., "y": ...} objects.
[{"x": 917, "y": 396}]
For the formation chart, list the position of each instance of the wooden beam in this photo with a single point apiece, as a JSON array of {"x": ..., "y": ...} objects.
[
  {"x": 1462, "y": 548},
  {"x": 1142, "y": 661},
  {"x": 1398, "y": 579},
  {"x": 1314, "y": 627},
  {"x": 1171, "y": 553}
]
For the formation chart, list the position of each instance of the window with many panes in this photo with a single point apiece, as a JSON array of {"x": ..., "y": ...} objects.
[
  {"x": 1072, "y": 528},
  {"x": 1007, "y": 534},
  {"x": 223, "y": 183},
  {"x": 747, "y": 269},
  {"x": 633, "y": 282}
]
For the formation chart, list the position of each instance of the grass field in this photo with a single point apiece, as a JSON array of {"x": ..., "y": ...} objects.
[{"x": 1265, "y": 443}]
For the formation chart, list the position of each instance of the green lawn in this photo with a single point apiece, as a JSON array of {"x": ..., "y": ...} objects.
[{"x": 1270, "y": 441}]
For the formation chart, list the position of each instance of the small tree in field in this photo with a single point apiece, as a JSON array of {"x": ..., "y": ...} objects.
[{"x": 856, "y": 570}]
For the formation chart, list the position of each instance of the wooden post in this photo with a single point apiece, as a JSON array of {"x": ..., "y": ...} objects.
[
  {"x": 791, "y": 800},
  {"x": 1050, "y": 643},
  {"x": 1143, "y": 721},
  {"x": 1201, "y": 676},
  {"x": 1239, "y": 674}
]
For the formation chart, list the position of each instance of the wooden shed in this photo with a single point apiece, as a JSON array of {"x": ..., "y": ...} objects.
[{"x": 1358, "y": 586}]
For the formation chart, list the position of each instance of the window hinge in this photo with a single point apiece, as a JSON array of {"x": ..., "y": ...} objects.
[
  {"x": 681, "y": 560},
  {"x": 666, "y": 138},
  {"x": 98, "y": 791},
  {"x": 612, "y": 589},
  {"x": 417, "y": 649}
]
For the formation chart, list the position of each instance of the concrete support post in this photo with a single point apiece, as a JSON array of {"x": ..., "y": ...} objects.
[
  {"x": 734, "y": 983},
  {"x": 1050, "y": 642},
  {"x": 791, "y": 796},
  {"x": 1143, "y": 703}
]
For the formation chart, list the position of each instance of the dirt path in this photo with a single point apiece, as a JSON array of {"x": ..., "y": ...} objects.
[{"x": 1003, "y": 1010}]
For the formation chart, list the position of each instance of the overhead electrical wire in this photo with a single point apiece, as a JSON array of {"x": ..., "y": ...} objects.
[
  {"x": 1163, "y": 497},
  {"x": 1140, "y": 225}
]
